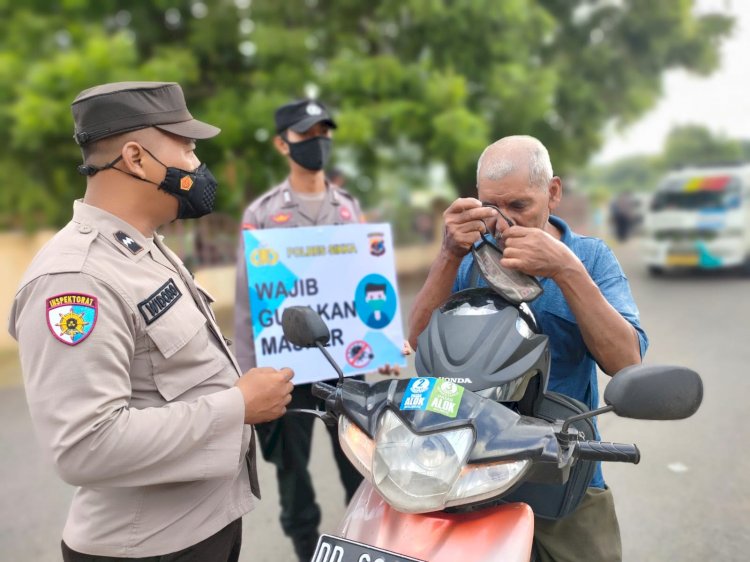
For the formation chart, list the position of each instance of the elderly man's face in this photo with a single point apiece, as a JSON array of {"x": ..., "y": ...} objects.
[{"x": 524, "y": 204}]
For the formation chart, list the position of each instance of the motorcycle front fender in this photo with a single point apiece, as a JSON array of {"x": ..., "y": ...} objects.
[{"x": 502, "y": 533}]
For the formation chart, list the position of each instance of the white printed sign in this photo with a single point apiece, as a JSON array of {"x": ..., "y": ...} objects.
[{"x": 347, "y": 274}]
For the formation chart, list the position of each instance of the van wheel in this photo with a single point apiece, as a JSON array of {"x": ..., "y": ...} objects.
[{"x": 655, "y": 270}]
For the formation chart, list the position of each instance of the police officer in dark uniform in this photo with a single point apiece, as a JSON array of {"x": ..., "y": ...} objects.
[{"x": 304, "y": 198}]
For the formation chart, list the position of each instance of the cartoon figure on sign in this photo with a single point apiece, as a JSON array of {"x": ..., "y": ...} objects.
[
  {"x": 376, "y": 301},
  {"x": 375, "y": 298}
]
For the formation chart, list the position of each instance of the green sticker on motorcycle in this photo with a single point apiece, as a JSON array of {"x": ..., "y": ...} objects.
[{"x": 445, "y": 398}]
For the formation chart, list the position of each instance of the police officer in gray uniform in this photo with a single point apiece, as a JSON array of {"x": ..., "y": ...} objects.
[
  {"x": 132, "y": 388},
  {"x": 305, "y": 198}
]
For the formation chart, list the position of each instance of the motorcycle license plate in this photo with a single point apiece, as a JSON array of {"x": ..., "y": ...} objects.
[{"x": 336, "y": 549}]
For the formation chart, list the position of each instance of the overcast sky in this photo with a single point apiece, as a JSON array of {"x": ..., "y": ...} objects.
[{"x": 721, "y": 101}]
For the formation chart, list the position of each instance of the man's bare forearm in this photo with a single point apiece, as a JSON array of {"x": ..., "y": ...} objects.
[
  {"x": 610, "y": 338},
  {"x": 436, "y": 289}
]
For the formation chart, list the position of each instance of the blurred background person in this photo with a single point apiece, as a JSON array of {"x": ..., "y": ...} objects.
[
  {"x": 622, "y": 215},
  {"x": 337, "y": 177}
]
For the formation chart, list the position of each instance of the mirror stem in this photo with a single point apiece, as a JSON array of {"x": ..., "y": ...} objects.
[
  {"x": 331, "y": 361},
  {"x": 585, "y": 415}
]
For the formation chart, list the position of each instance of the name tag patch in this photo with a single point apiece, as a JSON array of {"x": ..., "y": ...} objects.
[{"x": 155, "y": 305}]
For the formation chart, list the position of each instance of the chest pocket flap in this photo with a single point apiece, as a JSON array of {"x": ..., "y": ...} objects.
[{"x": 183, "y": 357}]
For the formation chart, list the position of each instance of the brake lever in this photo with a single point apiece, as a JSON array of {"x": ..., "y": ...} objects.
[{"x": 326, "y": 417}]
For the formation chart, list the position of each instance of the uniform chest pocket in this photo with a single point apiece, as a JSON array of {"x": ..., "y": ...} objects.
[
  {"x": 182, "y": 356},
  {"x": 566, "y": 341}
]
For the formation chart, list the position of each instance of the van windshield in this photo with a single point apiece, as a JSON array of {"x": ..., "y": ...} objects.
[{"x": 674, "y": 196}]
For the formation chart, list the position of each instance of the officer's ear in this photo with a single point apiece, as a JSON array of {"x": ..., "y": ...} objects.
[
  {"x": 133, "y": 156},
  {"x": 281, "y": 146}
]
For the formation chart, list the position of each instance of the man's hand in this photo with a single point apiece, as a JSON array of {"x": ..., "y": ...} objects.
[
  {"x": 266, "y": 392},
  {"x": 464, "y": 226},
  {"x": 389, "y": 370},
  {"x": 395, "y": 370},
  {"x": 535, "y": 252}
]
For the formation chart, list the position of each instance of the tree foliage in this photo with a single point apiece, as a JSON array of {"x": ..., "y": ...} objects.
[
  {"x": 685, "y": 145},
  {"x": 441, "y": 78},
  {"x": 696, "y": 145}
]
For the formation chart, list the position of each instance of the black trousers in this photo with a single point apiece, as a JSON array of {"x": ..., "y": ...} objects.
[
  {"x": 286, "y": 443},
  {"x": 223, "y": 546}
]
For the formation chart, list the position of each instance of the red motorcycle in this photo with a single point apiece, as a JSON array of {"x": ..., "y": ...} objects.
[{"x": 455, "y": 466}]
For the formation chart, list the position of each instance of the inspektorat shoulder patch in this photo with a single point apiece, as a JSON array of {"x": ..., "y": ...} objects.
[{"x": 71, "y": 317}]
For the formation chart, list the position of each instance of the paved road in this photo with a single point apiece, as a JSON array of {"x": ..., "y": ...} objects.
[{"x": 688, "y": 500}]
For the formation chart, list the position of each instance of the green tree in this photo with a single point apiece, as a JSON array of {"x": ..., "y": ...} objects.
[
  {"x": 416, "y": 82},
  {"x": 633, "y": 173},
  {"x": 696, "y": 145}
]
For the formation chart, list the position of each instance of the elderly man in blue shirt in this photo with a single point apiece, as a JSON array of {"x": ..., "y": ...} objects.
[{"x": 587, "y": 308}]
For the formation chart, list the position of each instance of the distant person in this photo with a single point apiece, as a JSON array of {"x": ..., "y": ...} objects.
[
  {"x": 305, "y": 198},
  {"x": 337, "y": 177},
  {"x": 130, "y": 384},
  {"x": 622, "y": 215}
]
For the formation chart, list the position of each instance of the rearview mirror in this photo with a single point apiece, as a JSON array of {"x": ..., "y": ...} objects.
[
  {"x": 655, "y": 392},
  {"x": 303, "y": 326}
]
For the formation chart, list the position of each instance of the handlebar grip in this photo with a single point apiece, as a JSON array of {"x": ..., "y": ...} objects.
[
  {"x": 612, "y": 452},
  {"x": 322, "y": 390}
]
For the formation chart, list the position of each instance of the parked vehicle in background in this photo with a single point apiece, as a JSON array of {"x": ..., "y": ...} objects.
[{"x": 700, "y": 218}]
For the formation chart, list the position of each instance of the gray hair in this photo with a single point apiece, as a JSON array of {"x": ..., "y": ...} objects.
[{"x": 506, "y": 155}]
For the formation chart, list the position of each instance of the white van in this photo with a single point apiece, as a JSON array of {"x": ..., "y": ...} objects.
[{"x": 700, "y": 218}]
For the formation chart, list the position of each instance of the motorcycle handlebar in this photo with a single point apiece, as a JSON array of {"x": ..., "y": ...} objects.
[
  {"x": 322, "y": 390},
  {"x": 612, "y": 452}
]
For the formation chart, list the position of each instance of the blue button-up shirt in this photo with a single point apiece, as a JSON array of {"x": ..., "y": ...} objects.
[{"x": 573, "y": 370}]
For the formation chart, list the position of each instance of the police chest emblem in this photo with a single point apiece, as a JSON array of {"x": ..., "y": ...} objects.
[
  {"x": 281, "y": 218},
  {"x": 128, "y": 242},
  {"x": 71, "y": 317},
  {"x": 155, "y": 305}
]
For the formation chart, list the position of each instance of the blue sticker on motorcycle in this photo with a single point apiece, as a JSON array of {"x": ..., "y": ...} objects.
[{"x": 417, "y": 394}]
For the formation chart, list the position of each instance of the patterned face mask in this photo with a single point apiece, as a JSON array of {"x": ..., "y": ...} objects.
[
  {"x": 513, "y": 285},
  {"x": 194, "y": 190}
]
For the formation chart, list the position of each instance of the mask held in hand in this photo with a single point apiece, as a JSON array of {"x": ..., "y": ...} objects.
[{"x": 511, "y": 284}]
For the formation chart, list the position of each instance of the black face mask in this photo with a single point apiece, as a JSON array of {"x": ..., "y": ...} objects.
[
  {"x": 311, "y": 154},
  {"x": 195, "y": 191}
]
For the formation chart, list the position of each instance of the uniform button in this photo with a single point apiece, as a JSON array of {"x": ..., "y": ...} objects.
[{"x": 84, "y": 229}]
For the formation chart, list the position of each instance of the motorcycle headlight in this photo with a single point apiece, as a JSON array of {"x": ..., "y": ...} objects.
[
  {"x": 485, "y": 481},
  {"x": 424, "y": 473}
]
